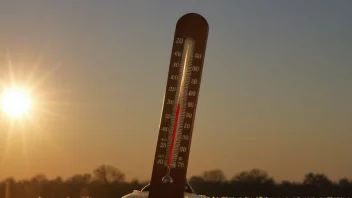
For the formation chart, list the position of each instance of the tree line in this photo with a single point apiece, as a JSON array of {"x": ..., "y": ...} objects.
[{"x": 107, "y": 181}]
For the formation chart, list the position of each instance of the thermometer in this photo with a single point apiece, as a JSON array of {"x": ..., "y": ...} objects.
[{"x": 179, "y": 108}]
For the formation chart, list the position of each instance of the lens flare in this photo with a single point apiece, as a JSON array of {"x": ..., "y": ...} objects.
[{"x": 15, "y": 102}]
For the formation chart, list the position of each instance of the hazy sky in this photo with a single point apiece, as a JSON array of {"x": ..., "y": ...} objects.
[{"x": 275, "y": 94}]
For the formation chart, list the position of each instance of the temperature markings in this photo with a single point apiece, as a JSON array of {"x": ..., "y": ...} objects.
[
  {"x": 195, "y": 68},
  {"x": 178, "y": 53},
  {"x": 185, "y": 137},
  {"x": 180, "y": 102},
  {"x": 163, "y": 145},
  {"x": 172, "y": 89},
  {"x": 183, "y": 149},
  {"x": 197, "y": 55},
  {"x": 189, "y": 115},
  {"x": 170, "y": 101},
  {"x": 176, "y": 64},
  {"x": 190, "y": 104},
  {"x": 174, "y": 77},
  {"x": 187, "y": 126},
  {"x": 179, "y": 40},
  {"x": 160, "y": 161},
  {"x": 180, "y": 164},
  {"x": 194, "y": 81},
  {"x": 192, "y": 93}
]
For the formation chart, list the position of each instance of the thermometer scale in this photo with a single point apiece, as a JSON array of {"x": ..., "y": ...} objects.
[{"x": 179, "y": 108}]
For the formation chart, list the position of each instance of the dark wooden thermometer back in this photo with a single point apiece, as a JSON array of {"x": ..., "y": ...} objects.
[{"x": 193, "y": 26}]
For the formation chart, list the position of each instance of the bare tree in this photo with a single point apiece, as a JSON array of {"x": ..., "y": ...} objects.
[
  {"x": 196, "y": 179},
  {"x": 108, "y": 174},
  {"x": 80, "y": 178},
  {"x": 344, "y": 182},
  {"x": 214, "y": 175},
  {"x": 39, "y": 178},
  {"x": 316, "y": 179},
  {"x": 253, "y": 176}
]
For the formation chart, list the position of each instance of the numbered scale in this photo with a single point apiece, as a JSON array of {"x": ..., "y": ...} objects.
[{"x": 179, "y": 108}]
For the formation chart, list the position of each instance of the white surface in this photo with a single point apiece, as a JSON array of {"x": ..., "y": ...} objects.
[{"x": 137, "y": 193}]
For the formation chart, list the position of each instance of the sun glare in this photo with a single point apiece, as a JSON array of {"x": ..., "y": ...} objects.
[{"x": 15, "y": 102}]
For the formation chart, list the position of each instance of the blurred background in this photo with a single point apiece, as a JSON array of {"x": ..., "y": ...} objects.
[{"x": 275, "y": 92}]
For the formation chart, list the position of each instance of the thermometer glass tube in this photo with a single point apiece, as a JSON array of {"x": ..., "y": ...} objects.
[{"x": 179, "y": 108}]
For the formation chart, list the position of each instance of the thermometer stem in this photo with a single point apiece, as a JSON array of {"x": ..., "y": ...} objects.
[
  {"x": 179, "y": 107},
  {"x": 181, "y": 98},
  {"x": 174, "y": 131}
]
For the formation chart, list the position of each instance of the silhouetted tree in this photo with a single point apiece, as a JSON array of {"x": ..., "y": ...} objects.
[
  {"x": 214, "y": 176},
  {"x": 135, "y": 181},
  {"x": 317, "y": 179},
  {"x": 108, "y": 182},
  {"x": 108, "y": 174},
  {"x": 36, "y": 185},
  {"x": 80, "y": 178},
  {"x": 58, "y": 180},
  {"x": 344, "y": 182},
  {"x": 39, "y": 178},
  {"x": 257, "y": 176},
  {"x": 286, "y": 183},
  {"x": 196, "y": 179}
]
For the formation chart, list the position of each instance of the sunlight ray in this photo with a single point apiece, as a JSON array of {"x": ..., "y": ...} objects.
[
  {"x": 47, "y": 75},
  {"x": 32, "y": 72},
  {"x": 2, "y": 81},
  {"x": 51, "y": 113},
  {"x": 33, "y": 123},
  {"x": 44, "y": 94},
  {"x": 37, "y": 64},
  {"x": 52, "y": 102},
  {"x": 7, "y": 139},
  {"x": 2, "y": 84},
  {"x": 10, "y": 67},
  {"x": 24, "y": 142}
]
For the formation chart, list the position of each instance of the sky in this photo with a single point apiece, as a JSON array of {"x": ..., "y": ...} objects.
[{"x": 275, "y": 92}]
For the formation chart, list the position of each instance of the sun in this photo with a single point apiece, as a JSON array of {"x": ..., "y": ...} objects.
[{"x": 15, "y": 102}]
